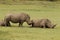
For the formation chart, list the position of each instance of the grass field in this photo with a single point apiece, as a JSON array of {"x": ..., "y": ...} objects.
[{"x": 50, "y": 11}]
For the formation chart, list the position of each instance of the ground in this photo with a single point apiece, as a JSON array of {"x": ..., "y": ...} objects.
[{"x": 50, "y": 11}]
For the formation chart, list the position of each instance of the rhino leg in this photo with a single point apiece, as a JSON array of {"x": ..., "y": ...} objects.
[
  {"x": 7, "y": 24},
  {"x": 43, "y": 26},
  {"x": 21, "y": 24}
]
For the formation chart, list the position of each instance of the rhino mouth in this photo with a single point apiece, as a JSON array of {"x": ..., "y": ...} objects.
[{"x": 30, "y": 23}]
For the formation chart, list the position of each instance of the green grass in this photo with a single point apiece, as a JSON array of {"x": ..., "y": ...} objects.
[
  {"x": 22, "y": 1},
  {"x": 50, "y": 11}
]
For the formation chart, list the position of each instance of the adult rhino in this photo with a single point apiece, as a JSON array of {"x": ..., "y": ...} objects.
[
  {"x": 43, "y": 23},
  {"x": 17, "y": 18}
]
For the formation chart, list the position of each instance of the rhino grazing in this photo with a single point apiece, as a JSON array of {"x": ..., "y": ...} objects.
[{"x": 17, "y": 18}]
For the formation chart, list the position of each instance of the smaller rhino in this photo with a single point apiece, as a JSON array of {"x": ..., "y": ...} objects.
[
  {"x": 2, "y": 23},
  {"x": 43, "y": 23}
]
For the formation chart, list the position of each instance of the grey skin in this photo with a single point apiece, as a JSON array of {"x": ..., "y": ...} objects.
[
  {"x": 43, "y": 23},
  {"x": 17, "y": 18},
  {"x": 46, "y": 23},
  {"x": 35, "y": 23},
  {"x": 2, "y": 23}
]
